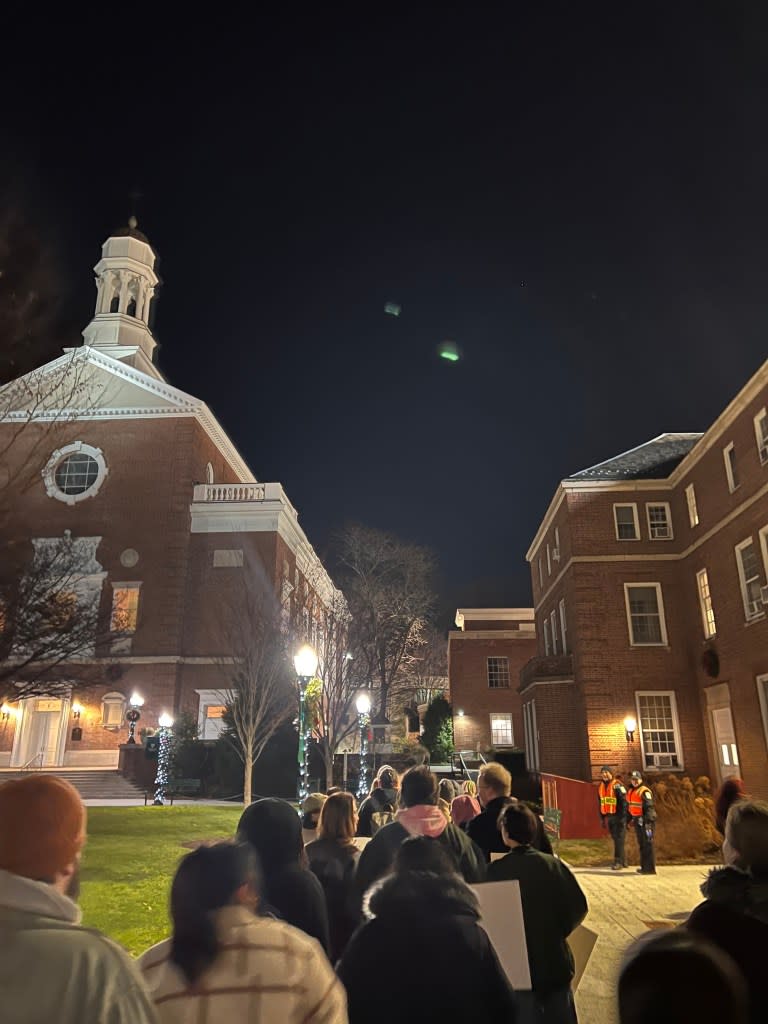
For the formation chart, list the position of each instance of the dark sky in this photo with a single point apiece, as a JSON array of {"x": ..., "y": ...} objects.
[{"x": 578, "y": 197}]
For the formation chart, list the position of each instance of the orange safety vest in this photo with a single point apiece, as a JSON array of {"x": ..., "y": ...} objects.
[
  {"x": 635, "y": 800},
  {"x": 607, "y": 797}
]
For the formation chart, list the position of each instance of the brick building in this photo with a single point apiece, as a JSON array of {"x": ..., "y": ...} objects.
[
  {"x": 164, "y": 519},
  {"x": 649, "y": 583},
  {"x": 485, "y": 656}
]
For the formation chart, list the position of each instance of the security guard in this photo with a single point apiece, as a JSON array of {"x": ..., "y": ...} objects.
[
  {"x": 642, "y": 814},
  {"x": 613, "y": 813}
]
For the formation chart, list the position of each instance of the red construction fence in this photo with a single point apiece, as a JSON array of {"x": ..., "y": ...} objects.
[{"x": 577, "y": 802}]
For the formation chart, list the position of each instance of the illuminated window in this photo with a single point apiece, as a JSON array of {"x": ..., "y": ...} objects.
[
  {"x": 659, "y": 521},
  {"x": 659, "y": 729},
  {"x": 626, "y": 522},
  {"x": 693, "y": 512},
  {"x": 731, "y": 473},
  {"x": 705, "y": 601},
  {"x": 498, "y": 673},
  {"x": 645, "y": 614},
  {"x": 502, "y": 734},
  {"x": 749, "y": 577},
  {"x": 125, "y": 607}
]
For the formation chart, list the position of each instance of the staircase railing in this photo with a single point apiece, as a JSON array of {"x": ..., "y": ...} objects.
[{"x": 31, "y": 761}]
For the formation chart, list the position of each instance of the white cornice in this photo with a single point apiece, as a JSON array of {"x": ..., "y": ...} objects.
[
  {"x": 491, "y": 634},
  {"x": 492, "y": 615},
  {"x": 549, "y": 515}
]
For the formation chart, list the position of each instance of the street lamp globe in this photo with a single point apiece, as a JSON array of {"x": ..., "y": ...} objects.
[
  {"x": 305, "y": 662},
  {"x": 165, "y": 721},
  {"x": 363, "y": 704}
]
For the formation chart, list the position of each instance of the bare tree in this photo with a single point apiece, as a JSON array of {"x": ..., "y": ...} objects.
[
  {"x": 258, "y": 692},
  {"x": 425, "y": 676},
  {"x": 388, "y": 586},
  {"x": 50, "y": 616}
]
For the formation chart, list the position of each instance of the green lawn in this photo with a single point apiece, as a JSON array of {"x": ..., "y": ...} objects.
[{"x": 130, "y": 859}]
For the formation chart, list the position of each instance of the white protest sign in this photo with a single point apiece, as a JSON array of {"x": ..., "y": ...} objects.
[
  {"x": 501, "y": 912},
  {"x": 582, "y": 941}
]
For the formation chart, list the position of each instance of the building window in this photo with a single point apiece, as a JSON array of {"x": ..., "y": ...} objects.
[
  {"x": 563, "y": 631},
  {"x": 112, "y": 710},
  {"x": 541, "y": 574},
  {"x": 213, "y": 721},
  {"x": 549, "y": 561},
  {"x": 762, "y": 696},
  {"x": 531, "y": 736},
  {"x": 659, "y": 729},
  {"x": 501, "y": 731},
  {"x": 693, "y": 511},
  {"x": 659, "y": 521},
  {"x": 627, "y": 525},
  {"x": 131, "y": 310},
  {"x": 125, "y": 607},
  {"x": 498, "y": 673},
  {"x": 749, "y": 578},
  {"x": 74, "y": 473},
  {"x": 546, "y": 636},
  {"x": 557, "y": 538},
  {"x": 705, "y": 603},
  {"x": 114, "y": 305},
  {"x": 645, "y": 614},
  {"x": 761, "y": 435},
  {"x": 731, "y": 473},
  {"x": 553, "y": 629}
]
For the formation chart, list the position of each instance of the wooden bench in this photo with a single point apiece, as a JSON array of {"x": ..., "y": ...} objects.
[{"x": 177, "y": 787}]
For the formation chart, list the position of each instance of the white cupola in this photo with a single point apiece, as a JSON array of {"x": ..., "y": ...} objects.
[{"x": 125, "y": 285}]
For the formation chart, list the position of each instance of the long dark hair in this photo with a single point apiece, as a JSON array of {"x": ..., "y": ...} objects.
[
  {"x": 731, "y": 791},
  {"x": 205, "y": 881}
]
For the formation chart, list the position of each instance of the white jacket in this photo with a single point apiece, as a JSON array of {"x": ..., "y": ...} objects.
[{"x": 267, "y": 972}]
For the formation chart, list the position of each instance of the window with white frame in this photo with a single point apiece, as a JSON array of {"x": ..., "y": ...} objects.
[
  {"x": 112, "y": 710},
  {"x": 211, "y": 710},
  {"x": 557, "y": 539},
  {"x": 705, "y": 603},
  {"x": 553, "y": 629},
  {"x": 750, "y": 579},
  {"x": 541, "y": 573},
  {"x": 563, "y": 630},
  {"x": 531, "y": 736},
  {"x": 125, "y": 607},
  {"x": 762, "y": 696},
  {"x": 546, "y": 636},
  {"x": 498, "y": 673},
  {"x": 659, "y": 729},
  {"x": 761, "y": 435},
  {"x": 502, "y": 734},
  {"x": 74, "y": 473},
  {"x": 549, "y": 561},
  {"x": 645, "y": 614},
  {"x": 693, "y": 511},
  {"x": 626, "y": 521},
  {"x": 659, "y": 521},
  {"x": 731, "y": 473}
]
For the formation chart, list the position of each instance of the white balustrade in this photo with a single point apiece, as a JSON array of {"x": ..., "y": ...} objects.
[{"x": 229, "y": 492}]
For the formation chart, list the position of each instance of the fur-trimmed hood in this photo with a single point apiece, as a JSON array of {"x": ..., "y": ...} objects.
[
  {"x": 420, "y": 895},
  {"x": 738, "y": 890}
]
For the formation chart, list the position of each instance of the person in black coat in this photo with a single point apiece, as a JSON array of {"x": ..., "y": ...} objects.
[
  {"x": 332, "y": 858},
  {"x": 420, "y": 909},
  {"x": 291, "y": 892},
  {"x": 734, "y": 915},
  {"x": 384, "y": 797},
  {"x": 494, "y": 785}
]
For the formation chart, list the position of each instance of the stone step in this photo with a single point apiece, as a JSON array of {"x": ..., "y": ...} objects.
[{"x": 91, "y": 785}]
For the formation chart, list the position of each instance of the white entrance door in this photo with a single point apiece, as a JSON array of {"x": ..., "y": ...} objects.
[
  {"x": 725, "y": 742},
  {"x": 41, "y": 733}
]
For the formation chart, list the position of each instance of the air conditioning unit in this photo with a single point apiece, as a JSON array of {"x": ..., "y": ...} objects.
[
  {"x": 763, "y": 449},
  {"x": 764, "y": 595},
  {"x": 556, "y": 554},
  {"x": 663, "y": 761}
]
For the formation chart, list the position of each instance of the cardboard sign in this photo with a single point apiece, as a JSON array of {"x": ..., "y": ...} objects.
[
  {"x": 582, "y": 942},
  {"x": 501, "y": 911}
]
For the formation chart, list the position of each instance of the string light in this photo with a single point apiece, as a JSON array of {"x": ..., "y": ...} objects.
[
  {"x": 363, "y": 704},
  {"x": 163, "y": 776}
]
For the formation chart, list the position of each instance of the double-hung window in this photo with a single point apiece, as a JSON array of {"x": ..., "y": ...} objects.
[
  {"x": 625, "y": 520},
  {"x": 502, "y": 733},
  {"x": 645, "y": 614},
  {"x": 498, "y": 673},
  {"x": 659, "y": 729},
  {"x": 750, "y": 579},
  {"x": 553, "y": 629},
  {"x": 547, "y": 647},
  {"x": 705, "y": 602},
  {"x": 659, "y": 521},
  {"x": 563, "y": 629},
  {"x": 693, "y": 511},
  {"x": 731, "y": 472},
  {"x": 761, "y": 435}
]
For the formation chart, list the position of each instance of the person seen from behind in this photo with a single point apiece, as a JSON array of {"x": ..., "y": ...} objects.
[
  {"x": 730, "y": 793},
  {"x": 553, "y": 905},
  {"x": 494, "y": 786},
  {"x": 734, "y": 915},
  {"x": 423, "y": 907},
  {"x": 380, "y": 806},
  {"x": 310, "y": 815},
  {"x": 419, "y": 815},
  {"x": 290, "y": 891},
  {"x": 225, "y": 963},
  {"x": 465, "y": 806},
  {"x": 332, "y": 857},
  {"x": 52, "y": 970},
  {"x": 674, "y": 977}
]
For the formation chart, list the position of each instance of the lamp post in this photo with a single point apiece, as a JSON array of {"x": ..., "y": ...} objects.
[
  {"x": 305, "y": 663},
  {"x": 363, "y": 705},
  {"x": 630, "y": 726},
  {"x": 165, "y": 721},
  {"x": 133, "y": 715}
]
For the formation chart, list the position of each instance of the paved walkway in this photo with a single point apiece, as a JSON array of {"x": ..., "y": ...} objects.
[{"x": 622, "y": 906}]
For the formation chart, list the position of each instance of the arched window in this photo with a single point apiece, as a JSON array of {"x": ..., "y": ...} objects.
[
  {"x": 112, "y": 710},
  {"x": 209, "y": 474},
  {"x": 131, "y": 311},
  {"x": 114, "y": 305}
]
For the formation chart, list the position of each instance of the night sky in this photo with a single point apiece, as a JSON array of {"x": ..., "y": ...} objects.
[{"x": 578, "y": 199}]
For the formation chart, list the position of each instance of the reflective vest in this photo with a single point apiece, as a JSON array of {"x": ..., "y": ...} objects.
[
  {"x": 635, "y": 800},
  {"x": 607, "y": 797}
]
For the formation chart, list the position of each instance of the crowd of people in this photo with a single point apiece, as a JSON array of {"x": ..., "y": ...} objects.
[{"x": 338, "y": 914}]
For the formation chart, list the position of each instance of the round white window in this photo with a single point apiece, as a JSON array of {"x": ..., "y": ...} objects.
[{"x": 74, "y": 473}]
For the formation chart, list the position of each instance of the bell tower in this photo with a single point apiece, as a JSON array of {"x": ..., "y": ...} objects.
[{"x": 125, "y": 286}]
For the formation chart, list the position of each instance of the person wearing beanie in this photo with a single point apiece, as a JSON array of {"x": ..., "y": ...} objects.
[
  {"x": 51, "y": 968},
  {"x": 310, "y": 815}
]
